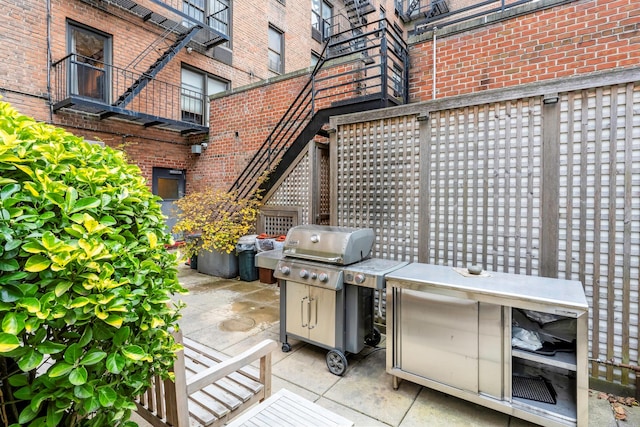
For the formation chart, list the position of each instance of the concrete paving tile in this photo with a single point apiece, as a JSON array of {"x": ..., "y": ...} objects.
[
  {"x": 601, "y": 414},
  {"x": 433, "y": 408},
  {"x": 368, "y": 389},
  {"x": 308, "y": 368},
  {"x": 278, "y": 384},
  {"x": 359, "y": 419}
]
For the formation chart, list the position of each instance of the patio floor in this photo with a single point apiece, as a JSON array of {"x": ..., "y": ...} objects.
[{"x": 230, "y": 315}]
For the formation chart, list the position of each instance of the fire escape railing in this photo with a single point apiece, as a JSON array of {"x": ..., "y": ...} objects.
[
  {"x": 373, "y": 64},
  {"x": 429, "y": 14},
  {"x": 81, "y": 80}
]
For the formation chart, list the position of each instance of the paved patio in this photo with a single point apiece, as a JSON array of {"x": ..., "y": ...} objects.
[{"x": 231, "y": 315}]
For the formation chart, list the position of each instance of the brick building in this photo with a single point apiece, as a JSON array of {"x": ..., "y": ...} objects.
[
  {"x": 559, "y": 73},
  {"x": 137, "y": 75}
]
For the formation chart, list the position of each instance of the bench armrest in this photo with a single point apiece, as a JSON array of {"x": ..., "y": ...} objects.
[{"x": 221, "y": 370}]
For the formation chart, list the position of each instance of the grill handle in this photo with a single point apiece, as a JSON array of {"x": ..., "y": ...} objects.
[
  {"x": 315, "y": 300},
  {"x": 302, "y": 316},
  {"x": 311, "y": 257}
]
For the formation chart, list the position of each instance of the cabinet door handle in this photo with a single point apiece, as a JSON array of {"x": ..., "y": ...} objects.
[
  {"x": 302, "y": 316},
  {"x": 315, "y": 306}
]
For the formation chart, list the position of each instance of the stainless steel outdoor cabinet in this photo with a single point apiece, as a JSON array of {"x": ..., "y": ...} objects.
[{"x": 452, "y": 331}]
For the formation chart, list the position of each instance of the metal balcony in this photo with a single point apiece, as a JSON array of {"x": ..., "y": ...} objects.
[{"x": 85, "y": 85}]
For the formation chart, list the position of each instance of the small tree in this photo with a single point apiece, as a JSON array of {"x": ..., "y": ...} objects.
[
  {"x": 85, "y": 279},
  {"x": 219, "y": 217}
]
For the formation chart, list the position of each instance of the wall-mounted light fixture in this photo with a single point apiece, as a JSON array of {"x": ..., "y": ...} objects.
[
  {"x": 550, "y": 98},
  {"x": 199, "y": 148}
]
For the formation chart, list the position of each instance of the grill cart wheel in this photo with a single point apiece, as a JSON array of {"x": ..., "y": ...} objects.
[
  {"x": 286, "y": 347},
  {"x": 374, "y": 338},
  {"x": 336, "y": 362}
]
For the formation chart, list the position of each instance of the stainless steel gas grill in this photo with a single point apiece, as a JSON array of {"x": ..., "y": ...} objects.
[{"x": 327, "y": 285}]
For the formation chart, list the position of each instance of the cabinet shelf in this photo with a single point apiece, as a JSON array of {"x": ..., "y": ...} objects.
[
  {"x": 563, "y": 382},
  {"x": 564, "y": 360}
]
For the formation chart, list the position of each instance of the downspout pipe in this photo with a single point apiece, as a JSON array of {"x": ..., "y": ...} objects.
[
  {"x": 435, "y": 58},
  {"x": 49, "y": 60}
]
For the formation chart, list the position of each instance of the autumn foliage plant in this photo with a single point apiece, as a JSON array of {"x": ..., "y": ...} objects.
[
  {"x": 218, "y": 217},
  {"x": 85, "y": 280}
]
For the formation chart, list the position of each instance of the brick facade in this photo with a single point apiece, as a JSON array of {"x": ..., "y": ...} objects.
[
  {"x": 575, "y": 38},
  {"x": 570, "y": 38},
  {"x": 24, "y": 37}
]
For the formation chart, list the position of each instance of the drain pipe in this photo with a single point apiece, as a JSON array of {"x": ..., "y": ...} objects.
[
  {"x": 634, "y": 368},
  {"x": 49, "y": 60},
  {"x": 433, "y": 94}
]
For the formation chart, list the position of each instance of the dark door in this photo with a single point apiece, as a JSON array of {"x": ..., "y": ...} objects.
[{"x": 169, "y": 184}]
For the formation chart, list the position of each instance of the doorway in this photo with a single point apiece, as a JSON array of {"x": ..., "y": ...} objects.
[{"x": 169, "y": 185}]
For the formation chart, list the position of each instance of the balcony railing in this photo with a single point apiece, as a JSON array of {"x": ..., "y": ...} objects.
[
  {"x": 429, "y": 14},
  {"x": 212, "y": 15},
  {"x": 86, "y": 85}
]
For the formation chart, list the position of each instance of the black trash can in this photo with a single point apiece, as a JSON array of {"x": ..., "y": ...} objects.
[
  {"x": 193, "y": 261},
  {"x": 246, "y": 250}
]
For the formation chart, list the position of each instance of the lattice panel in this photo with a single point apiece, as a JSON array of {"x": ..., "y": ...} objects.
[
  {"x": 483, "y": 186},
  {"x": 378, "y": 183},
  {"x": 324, "y": 206},
  {"x": 294, "y": 190},
  {"x": 600, "y": 217}
]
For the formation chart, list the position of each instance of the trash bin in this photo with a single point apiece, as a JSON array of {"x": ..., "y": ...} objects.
[
  {"x": 246, "y": 250},
  {"x": 193, "y": 261}
]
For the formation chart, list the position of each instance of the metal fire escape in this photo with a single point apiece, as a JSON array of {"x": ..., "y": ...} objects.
[
  {"x": 124, "y": 95},
  {"x": 366, "y": 82}
]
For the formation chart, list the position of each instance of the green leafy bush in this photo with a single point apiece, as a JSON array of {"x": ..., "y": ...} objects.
[{"x": 85, "y": 279}]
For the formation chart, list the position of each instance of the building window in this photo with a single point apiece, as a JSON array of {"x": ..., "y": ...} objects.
[
  {"x": 214, "y": 13},
  {"x": 315, "y": 58},
  {"x": 321, "y": 19},
  {"x": 89, "y": 73},
  {"x": 276, "y": 50},
  {"x": 194, "y": 100}
]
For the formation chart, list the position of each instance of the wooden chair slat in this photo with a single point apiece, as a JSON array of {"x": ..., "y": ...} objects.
[{"x": 221, "y": 386}]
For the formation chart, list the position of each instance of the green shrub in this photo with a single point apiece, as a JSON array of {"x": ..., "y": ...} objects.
[{"x": 85, "y": 279}]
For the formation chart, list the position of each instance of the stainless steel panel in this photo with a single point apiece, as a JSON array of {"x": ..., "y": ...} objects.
[
  {"x": 335, "y": 245},
  {"x": 439, "y": 338},
  {"x": 269, "y": 259},
  {"x": 490, "y": 350},
  {"x": 310, "y": 313},
  {"x": 557, "y": 296},
  {"x": 322, "y": 325}
]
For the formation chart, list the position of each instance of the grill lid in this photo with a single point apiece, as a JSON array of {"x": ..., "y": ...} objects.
[{"x": 335, "y": 245}]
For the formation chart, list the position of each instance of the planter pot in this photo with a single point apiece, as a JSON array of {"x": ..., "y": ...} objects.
[{"x": 218, "y": 264}]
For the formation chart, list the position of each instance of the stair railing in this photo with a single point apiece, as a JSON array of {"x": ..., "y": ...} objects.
[{"x": 371, "y": 76}]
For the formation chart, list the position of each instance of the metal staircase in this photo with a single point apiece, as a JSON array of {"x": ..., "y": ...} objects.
[
  {"x": 368, "y": 86},
  {"x": 357, "y": 10},
  {"x": 140, "y": 83}
]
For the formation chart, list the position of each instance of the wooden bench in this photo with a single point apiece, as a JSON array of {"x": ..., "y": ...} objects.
[{"x": 210, "y": 388}]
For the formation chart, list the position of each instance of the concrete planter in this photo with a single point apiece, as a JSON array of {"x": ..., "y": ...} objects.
[{"x": 218, "y": 264}]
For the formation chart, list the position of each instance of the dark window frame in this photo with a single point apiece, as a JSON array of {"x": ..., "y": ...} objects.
[
  {"x": 279, "y": 67},
  {"x": 98, "y": 69},
  {"x": 203, "y": 96}
]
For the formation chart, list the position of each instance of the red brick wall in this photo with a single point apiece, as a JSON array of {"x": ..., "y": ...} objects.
[
  {"x": 253, "y": 114},
  {"x": 249, "y": 114},
  {"x": 576, "y": 38}
]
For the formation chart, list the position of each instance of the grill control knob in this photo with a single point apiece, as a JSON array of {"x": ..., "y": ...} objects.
[
  {"x": 315, "y": 238},
  {"x": 304, "y": 273},
  {"x": 359, "y": 278},
  {"x": 323, "y": 277},
  {"x": 285, "y": 269}
]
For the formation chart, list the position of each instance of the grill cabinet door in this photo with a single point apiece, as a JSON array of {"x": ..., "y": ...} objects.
[
  {"x": 311, "y": 313},
  {"x": 297, "y": 309},
  {"x": 322, "y": 325}
]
